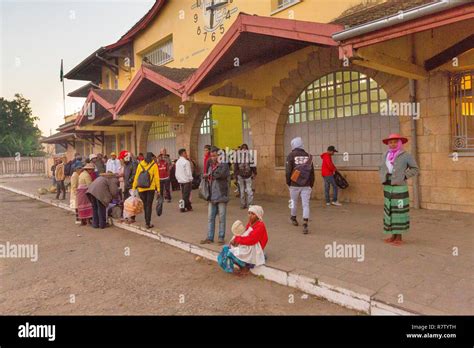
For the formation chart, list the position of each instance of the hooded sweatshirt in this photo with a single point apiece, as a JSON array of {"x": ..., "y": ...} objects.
[
  {"x": 296, "y": 157},
  {"x": 328, "y": 168}
]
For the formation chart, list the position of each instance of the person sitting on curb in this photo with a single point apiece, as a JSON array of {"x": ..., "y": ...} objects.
[{"x": 247, "y": 245}]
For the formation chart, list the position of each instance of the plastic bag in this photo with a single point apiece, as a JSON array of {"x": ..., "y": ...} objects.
[
  {"x": 204, "y": 190},
  {"x": 132, "y": 206},
  {"x": 159, "y": 205}
]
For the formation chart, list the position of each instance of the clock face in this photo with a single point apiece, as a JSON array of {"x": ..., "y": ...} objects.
[{"x": 210, "y": 17}]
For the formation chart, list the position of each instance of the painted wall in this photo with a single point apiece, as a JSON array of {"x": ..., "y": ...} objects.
[
  {"x": 187, "y": 25},
  {"x": 227, "y": 126}
]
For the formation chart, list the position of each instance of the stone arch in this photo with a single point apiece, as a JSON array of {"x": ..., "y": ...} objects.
[
  {"x": 318, "y": 64},
  {"x": 193, "y": 126}
]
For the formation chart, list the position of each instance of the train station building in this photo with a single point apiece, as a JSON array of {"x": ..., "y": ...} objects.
[{"x": 342, "y": 73}]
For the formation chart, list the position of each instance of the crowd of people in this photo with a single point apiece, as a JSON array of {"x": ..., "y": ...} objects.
[{"x": 99, "y": 186}]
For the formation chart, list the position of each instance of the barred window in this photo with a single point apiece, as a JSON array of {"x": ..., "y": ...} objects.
[
  {"x": 338, "y": 94},
  {"x": 162, "y": 54},
  {"x": 245, "y": 120},
  {"x": 160, "y": 130},
  {"x": 206, "y": 124},
  {"x": 462, "y": 110},
  {"x": 283, "y": 3}
]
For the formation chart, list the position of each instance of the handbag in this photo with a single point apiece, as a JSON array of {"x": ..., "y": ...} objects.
[
  {"x": 341, "y": 182},
  {"x": 159, "y": 205}
]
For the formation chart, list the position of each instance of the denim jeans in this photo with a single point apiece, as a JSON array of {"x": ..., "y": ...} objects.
[
  {"x": 305, "y": 193},
  {"x": 246, "y": 192},
  {"x": 330, "y": 181},
  {"x": 165, "y": 188},
  {"x": 213, "y": 210}
]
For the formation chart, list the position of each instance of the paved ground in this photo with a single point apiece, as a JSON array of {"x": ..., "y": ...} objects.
[
  {"x": 153, "y": 279},
  {"x": 431, "y": 273}
]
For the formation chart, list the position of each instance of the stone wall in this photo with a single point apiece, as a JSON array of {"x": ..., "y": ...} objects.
[{"x": 446, "y": 184}]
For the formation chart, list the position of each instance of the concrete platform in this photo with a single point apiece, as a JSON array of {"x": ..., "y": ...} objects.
[{"x": 430, "y": 274}]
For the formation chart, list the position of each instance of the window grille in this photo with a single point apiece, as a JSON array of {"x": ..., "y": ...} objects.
[
  {"x": 462, "y": 110},
  {"x": 162, "y": 54}
]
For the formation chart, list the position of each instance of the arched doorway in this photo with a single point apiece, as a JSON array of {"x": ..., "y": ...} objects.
[
  {"x": 343, "y": 109},
  {"x": 224, "y": 127}
]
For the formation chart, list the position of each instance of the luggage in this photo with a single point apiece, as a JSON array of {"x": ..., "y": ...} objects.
[{"x": 341, "y": 182}]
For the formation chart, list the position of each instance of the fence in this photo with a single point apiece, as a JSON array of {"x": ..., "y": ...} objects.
[{"x": 23, "y": 166}]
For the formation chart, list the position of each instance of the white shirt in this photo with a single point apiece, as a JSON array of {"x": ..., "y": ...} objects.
[
  {"x": 113, "y": 166},
  {"x": 389, "y": 165},
  {"x": 183, "y": 173}
]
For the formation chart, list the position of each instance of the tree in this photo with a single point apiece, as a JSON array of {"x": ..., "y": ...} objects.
[{"x": 18, "y": 132}]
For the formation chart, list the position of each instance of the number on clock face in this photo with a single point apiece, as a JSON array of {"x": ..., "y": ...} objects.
[{"x": 211, "y": 17}]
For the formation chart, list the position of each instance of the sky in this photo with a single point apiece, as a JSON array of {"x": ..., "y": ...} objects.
[{"x": 36, "y": 34}]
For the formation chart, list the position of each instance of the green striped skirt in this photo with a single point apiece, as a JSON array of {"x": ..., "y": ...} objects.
[{"x": 396, "y": 218}]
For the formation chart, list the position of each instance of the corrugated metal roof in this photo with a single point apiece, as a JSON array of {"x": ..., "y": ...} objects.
[
  {"x": 173, "y": 74},
  {"x": 364, "y": 13}
]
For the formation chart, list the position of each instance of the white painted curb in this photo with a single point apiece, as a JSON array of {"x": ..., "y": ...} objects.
[{"x": 336, "y": 294}]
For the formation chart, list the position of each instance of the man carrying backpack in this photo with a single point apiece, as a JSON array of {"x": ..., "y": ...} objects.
[
  {"x": 245, "y": 172},
  {"x": 300, "y": 180}
]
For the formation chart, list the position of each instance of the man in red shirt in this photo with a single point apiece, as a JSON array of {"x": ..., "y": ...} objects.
[
  {"x": 164, "y": 165},
  {"x": 328, "y": 170}
]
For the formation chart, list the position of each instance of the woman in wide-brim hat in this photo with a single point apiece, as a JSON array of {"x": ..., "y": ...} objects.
[{"x": 397, "y": 166}]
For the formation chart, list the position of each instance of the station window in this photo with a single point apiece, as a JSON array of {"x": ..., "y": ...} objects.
[
  {"x": 338, "y": 94},
  {"x": 160, "y": 130},
  {"x": 462, "y": 111},
  {"x": 161, "y": 54},
  {"x": 280, "y": 5},
  {"x": 206, "y": 124}
]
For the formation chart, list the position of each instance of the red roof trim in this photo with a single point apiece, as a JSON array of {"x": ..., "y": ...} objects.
[
  {"x": 139, "y": 26},
  {"x": 316, "y": 33},
  {"x": 146, "y": 74},
  {"x": 453, "y": 15},
  {"x": 93, "y": 96}
]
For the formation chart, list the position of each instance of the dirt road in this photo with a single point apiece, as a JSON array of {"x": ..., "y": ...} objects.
[{"x": 114, "y": 272}]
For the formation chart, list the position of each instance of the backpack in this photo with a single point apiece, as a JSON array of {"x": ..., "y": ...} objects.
[
  {"x": 144, "y": 179},
  {"x": 244, "y": 170},
  {"x": 341, "y": 182},
  {"x": 68, "y": 169},
  {"x": 302, "y": 172}
]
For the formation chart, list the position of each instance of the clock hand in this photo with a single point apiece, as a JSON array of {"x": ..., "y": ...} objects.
[{"x": 216, "y": 6}]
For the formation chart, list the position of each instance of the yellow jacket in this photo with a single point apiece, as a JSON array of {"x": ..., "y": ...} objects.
[{"x": 154, "y": 176}]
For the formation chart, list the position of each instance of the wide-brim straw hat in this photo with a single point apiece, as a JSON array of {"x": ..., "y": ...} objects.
[
  {"x": 108, "y": 174},
  {"x": 238, "y": 228},
  {"x": 89, "y": 166},
  {"x": 395, "y": 136}
]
